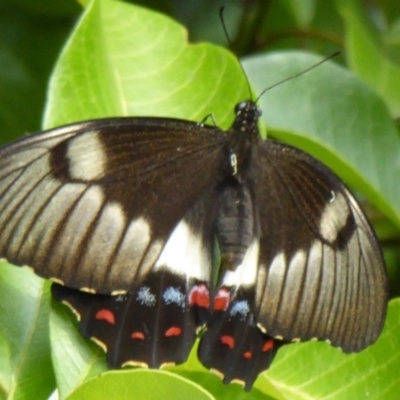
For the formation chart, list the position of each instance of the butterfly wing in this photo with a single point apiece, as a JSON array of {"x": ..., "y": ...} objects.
[
  {"x": 151, "y": 326},
  {"x": 93, "y": 204},
  {"x": 313, "y": 270},
  {"x": 233, "y": 345},
  {"x": 321, "y": 272}
]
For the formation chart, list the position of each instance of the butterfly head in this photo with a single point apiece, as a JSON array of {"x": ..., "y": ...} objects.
[{"x": 247, "y": 114}]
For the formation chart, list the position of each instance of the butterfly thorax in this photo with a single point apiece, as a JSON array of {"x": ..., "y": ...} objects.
[{"x": 244, "y": 139}]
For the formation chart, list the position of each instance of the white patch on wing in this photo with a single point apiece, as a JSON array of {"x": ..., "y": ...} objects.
[
  {"x": 51, "y": 217},
  {"x": 16, "y": 161},
  {"x": 323, "y": 292},
  {"x": 74, "y": 231},
  {"x": 246, "y": 273},
  {"x": 309, "y": 288},
  {"x": 275, "y": 281},
  {"x": 20, "y": 223},
  {"x": 15, "y": 186},
  {"x": 134, "y": 252},
  {"x": 184, "y": 254},
  {"x": 152, "y": 253},
  {"x": 291, "y": 293},
  {"x": 103, "y": 241},
  {"x": 334, "y": 217},
  {"x": 87, "y": 157}
]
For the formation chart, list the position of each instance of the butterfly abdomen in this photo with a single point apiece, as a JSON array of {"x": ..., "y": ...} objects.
[{"x": 234, "y": 224}]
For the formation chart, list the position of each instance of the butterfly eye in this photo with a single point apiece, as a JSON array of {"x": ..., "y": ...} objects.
[{"x": 240, "y": 107}]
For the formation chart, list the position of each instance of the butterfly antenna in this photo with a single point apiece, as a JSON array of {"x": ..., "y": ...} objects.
[
  {"x": 298, "y": 74},
  {"x": 222, "y": 19}
]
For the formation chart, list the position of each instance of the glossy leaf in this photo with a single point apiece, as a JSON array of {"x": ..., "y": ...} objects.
[
  {"x": 365, "y": 55},
  {"x": 75, "y": 359},
  {"x": 140, "y": 384},
  {"x": 25, "y": 364},
  {"x": 318, "y": 371},
  {"x": 144, "y": 66}
]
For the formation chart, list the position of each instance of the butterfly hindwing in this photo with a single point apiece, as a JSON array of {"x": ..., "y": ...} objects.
[
  {"x": 233, "y": 345},
  {"x": 156, "y": 322},
  {"x": 151, "y": 326},
  {"x": 125, "y": 182}
]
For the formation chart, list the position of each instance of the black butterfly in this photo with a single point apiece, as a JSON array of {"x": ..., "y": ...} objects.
[{"x": 125, "y": 214}]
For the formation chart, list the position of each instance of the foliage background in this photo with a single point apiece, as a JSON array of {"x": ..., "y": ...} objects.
[{"x": 345, "y": 113}]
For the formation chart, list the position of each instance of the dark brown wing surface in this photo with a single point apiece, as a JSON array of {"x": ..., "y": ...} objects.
[
  {"x": 324, "y": 275},
  {"x": 91, "y": 205}
]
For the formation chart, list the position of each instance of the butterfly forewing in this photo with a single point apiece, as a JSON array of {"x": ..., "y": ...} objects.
[
  {"x": 92, "y": 204},
  {"x": 325, "y": 275}
]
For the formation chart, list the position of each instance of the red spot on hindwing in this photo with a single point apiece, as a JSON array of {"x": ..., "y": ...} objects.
[
  {"x": 199, "y": 296},
  {"x": 105, "y": 315},
  {"x": 173, "y": 331},
  {"x": 248, "y": 355},
  {"x": 221, "y": 300},
  {"x": 268, "y": 345},
  {"x": 228, "y": 341},
  {"x": 138, "y": 335}
]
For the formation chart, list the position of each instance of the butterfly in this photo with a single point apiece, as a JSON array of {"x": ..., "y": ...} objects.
[{"x": 126, "y": 215}]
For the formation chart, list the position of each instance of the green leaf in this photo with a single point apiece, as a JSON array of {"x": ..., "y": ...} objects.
[
  {"x": 75, "y": 359},
  {"x": 331, "y": 114},
  {"x": 140, "y": 384},
  {"x": 319, "y": 371},
  {"x": 262, "y": 390},
  {"x": 366, "y": 55},
  {"x": 25, "y": 364},
  {"x": 143, "y": 66}
]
